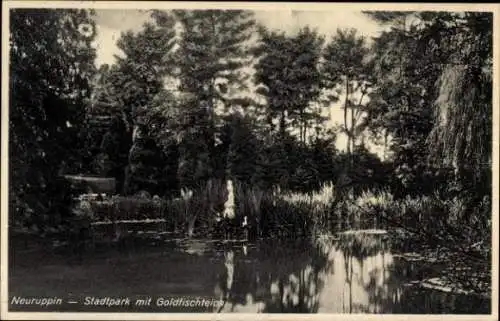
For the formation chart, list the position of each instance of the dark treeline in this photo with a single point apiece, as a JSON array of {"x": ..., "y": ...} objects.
[{"x": 211, "y": 94}]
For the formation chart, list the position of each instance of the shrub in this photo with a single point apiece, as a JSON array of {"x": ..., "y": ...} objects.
[{"x": 44, "y": 209}]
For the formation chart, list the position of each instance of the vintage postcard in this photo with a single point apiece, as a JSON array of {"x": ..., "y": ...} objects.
[{"x": 221, "y": 160}]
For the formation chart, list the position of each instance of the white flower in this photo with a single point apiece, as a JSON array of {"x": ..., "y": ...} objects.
[{"x": 86, "y": 30}]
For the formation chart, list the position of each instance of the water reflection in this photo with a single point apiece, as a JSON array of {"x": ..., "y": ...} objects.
[
  {"x": 274, "y": 277},
  {"x": 362, "y": 280},
  {"x": 352, "y": 273},
  {"x": 356, "y": 273}
]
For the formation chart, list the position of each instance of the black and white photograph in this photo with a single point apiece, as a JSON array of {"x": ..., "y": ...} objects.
[{"x": 215, "y": 160}]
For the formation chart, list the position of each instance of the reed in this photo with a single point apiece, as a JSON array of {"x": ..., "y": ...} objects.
[{"x": 447, "y": 222}]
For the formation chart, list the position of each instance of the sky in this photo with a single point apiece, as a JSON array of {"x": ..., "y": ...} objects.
[{"x": 112, "y": 22}]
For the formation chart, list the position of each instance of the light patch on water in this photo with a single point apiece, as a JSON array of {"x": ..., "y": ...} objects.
[
  {"x": 250, "y": 305},
  {"x": 196, "y": 247},
  {"x": 229, "y": 264},
  {"x": 358, "y": 232}
]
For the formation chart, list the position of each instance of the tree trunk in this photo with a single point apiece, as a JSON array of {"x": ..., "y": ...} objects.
[
  {"x": 300, "y": 131},
  {"x": 304, "y": 131},
  {"x": 346, "y": 127},
  {"x": 302, "y": 126},
  {"x": 128, "y": 168},
  {"x": 385, "y": 145},
  {"x": 282, "y": 124},
  {"x": 353, "y": 139}
]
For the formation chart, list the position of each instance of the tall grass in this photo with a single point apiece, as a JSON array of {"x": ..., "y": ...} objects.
[
  {"x": 196, "y": 212},
  {"x": 196, "y": 208},
  {"x": 268, "y": 213},
  {"x": 304, "y": 214},
  {"x": 324, "y": 195},
  {"x": 451, "y": 222}
]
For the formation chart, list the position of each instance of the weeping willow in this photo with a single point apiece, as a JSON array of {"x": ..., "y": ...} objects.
[{"x": 461, "y": 137}]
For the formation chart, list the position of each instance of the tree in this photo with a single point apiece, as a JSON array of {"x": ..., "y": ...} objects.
[
  {"x": 424, "y": 65},
  {"x": 307, "y": 79},
  {"x": 243, "y": 149},
  {"x": 462, "y": 131},
  {"x": 50, "y": 67},
  {"x": 347, "y": 72},
  {"x": 132, "y": 84},
  {"x": 434, "y": 98},
  {"x": 400, "y": 106},
  {"x": 108, "y": 141},
  {"x": 289, "y": 76},
  {"x": 210, "y": 59}
]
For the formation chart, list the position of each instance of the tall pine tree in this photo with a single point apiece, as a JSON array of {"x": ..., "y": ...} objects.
[
  {"x": 289, "y": 77},
  {"x": 211, "y": 58},
  {"x": 133, "y": 82},
  {"x": 346, "y": 70}
]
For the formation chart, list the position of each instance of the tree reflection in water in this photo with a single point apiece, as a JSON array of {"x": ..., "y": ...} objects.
[
  {"x": 277, "y": 278},
  {"x": 379, "y": 282},
  {"x": 356, "y": 273},
  {"x": 366, "y": 264}
]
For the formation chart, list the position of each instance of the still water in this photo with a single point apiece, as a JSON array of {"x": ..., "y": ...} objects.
[{"x": 353, "y": 273}]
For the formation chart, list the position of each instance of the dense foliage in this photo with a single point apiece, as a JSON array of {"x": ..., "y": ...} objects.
[
  {"x": 433, "y": 91},
  {"x": 52, "y": 62}
]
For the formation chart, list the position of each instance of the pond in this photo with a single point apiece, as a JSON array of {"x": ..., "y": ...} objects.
[{"x": 350, "y": 273}]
